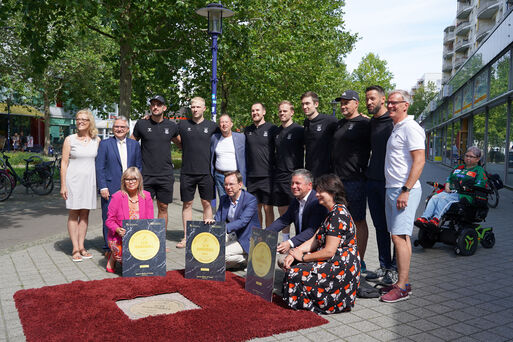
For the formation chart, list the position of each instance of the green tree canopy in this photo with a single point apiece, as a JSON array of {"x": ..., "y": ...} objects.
[
  {"x": 371, "y": 71},
  {"x": 422, "y": 97}
]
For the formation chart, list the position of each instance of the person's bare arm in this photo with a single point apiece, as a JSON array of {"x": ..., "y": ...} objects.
[
  {"x": 66, "y": 148},
  {"x": 177, "y": 141},
  {"x": 415, "y": 172}
]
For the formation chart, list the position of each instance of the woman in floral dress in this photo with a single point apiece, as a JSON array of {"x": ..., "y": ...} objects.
[{"x": 327, "y": 273}]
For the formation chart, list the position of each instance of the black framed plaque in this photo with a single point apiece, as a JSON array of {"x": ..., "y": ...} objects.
[
  {"x": 261, "y": 263},
  {"x": 205, "y": 251},
  {"x": 144, "y": 248}
]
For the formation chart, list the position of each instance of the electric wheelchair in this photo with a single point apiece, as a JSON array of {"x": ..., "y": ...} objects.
[{"x": 461, "y": 225}]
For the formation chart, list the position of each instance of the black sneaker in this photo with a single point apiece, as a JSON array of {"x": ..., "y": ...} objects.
[
  {"x": 376, "y": 276},
  {"x": 389, "y": 278}
]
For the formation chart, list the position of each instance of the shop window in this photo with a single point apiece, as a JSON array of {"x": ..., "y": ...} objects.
[
  {"x": 496, "y": 150},
  {"x": 481, "y": 87},
  {"x": 457, "y": 103},
  {"x": 499, "y": 76},
  {"x": 467, "y": 98}
]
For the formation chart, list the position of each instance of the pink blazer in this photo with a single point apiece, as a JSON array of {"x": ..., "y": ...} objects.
[{"x": 118, "y": 211}]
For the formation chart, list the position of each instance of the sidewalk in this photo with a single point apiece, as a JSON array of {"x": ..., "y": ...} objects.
[{"x": 454, "y": 298}]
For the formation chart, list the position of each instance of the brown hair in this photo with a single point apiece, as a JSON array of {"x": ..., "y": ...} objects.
[{"x": 332, "y": 185}]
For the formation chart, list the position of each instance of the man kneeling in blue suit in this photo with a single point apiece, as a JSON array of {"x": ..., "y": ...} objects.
[
  {"x": 304, "y": 211},
  {"x": 238, "y": 209}
]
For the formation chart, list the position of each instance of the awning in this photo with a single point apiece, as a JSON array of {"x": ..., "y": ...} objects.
[{"x": 24, "y": 110}]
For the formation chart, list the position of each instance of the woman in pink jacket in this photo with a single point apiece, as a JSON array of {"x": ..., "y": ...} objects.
[{"x": 129, "y": 203}]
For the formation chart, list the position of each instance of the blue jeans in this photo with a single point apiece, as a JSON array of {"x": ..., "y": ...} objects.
[
  {"x": 219, "y": 181},
  {"x": 376, "y": 201},
  {"x": 439, "y": 204}
]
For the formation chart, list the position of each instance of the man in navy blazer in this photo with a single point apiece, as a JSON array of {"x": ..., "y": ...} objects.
[
  {"x": 238, "y": 209},
  {"x": 114, "y": 156},
  {"x": 304, "y": 211},
  {"x": 227, "y": 153}
]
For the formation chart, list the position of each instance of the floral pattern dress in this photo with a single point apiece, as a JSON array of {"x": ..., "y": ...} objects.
[{"x": 327, "y": 286}]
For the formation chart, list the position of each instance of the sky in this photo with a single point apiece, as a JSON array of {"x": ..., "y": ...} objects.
[{"x": 408, "y": 34}]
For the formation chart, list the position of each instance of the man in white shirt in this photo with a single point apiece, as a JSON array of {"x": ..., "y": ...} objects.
[
  {"x": 404, "y": 162},
  {"x": 115, "y": 155},
  {"x": 227, "y": 153}
]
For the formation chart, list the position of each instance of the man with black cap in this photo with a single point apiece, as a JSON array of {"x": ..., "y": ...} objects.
[
  {"x": 350, "y": 155},
  {"x": 156, "y": 135}
]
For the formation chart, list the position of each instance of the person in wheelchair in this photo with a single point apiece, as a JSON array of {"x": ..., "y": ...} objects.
[{"x": 461, "y": 186}]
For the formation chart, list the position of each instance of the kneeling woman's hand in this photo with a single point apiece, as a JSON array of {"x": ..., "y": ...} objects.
[{"x": 289, "y": 259}]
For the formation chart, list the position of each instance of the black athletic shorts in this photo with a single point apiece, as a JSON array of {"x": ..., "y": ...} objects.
[
  {"x": 188, "y": 183},
  {"x": 160, "y": 187},
  {"x": 356, "y": 195},
  {"x": 261, "y": 188},
  {"x": 282, "y": 195}
]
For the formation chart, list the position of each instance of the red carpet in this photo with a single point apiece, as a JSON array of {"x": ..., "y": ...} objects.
[{"x": 87, "y": 311}]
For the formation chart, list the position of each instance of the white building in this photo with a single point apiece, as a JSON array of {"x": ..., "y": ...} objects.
[
  {"x": 433, "y": 77},
  {"x": 474, "y": 20}
]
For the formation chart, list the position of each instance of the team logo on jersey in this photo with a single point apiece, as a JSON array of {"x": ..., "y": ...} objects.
[
  {"x": 289, "y": 136},
  {"x": 351, "y": 125},
  {"x": 149, "y": 129},
  {"x": 205, "y": 130},
  {"x": 265, "y": 133},
  {"x": 319, "y": 128},
  {"x": 250, "y": 133},
  {"x": 166, "y": 130},
  {"x": 188, "y": 129}
]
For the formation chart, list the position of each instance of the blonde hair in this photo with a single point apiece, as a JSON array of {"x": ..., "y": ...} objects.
[
  {"x": 198, "y": 99},
  {"x": 93, "y": 131},
  {"x": 132, "y": 172}
]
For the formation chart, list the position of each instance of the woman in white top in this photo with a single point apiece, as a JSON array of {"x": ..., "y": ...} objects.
[{"x": 78, "y": 179}]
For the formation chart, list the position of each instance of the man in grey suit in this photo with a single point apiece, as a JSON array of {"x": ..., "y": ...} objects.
[
  {"x": 114, "y": 156},
  {"x": 227, "y": 153}
]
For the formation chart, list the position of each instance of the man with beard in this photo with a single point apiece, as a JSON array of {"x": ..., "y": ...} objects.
[
  {"x": 381, "y": 126},
  {"x": 156, "y": 135},
  {"x": 260, "y": 161}
]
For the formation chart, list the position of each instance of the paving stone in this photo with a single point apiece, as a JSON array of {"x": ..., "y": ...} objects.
[
  {"x": 425, "y": 337},
  {"x": 490, "y": 336},
  {"x": 446, "y": 334}
]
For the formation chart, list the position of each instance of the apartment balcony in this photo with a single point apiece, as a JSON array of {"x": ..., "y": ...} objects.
[
  {"x": 462, "y": 28},
  {"x": 447, "y": 65},
  {"x": 458, "y": 61},
  {"x": 483, "y": 29},
  {"x": 448, "y": 53},
  {"x": 464, "y": 9},
  {"x": 461, "y": 45},
  {"x": 487, "y": 9},
  {"x": 449, "y": 36}
]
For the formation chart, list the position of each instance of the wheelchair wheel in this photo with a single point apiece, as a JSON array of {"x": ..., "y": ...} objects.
[
  {"x": 466, "y": 242},
  {"x": 493, "y": 197},
  {"x": 488, "y": 240},
  {"x": 424, "y": 239}
]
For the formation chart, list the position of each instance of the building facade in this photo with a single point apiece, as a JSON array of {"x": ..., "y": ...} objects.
[
  {"x": 474, "y": 107},
  {"x": 475, "y": 19}
]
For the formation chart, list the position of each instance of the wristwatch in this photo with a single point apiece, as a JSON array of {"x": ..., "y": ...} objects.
[{"x": 404, "y": 188}]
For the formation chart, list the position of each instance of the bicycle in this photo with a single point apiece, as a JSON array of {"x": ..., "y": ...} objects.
[{"x": 39, "y": 179}]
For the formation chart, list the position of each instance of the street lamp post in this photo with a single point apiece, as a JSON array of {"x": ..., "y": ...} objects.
[
  {"x": 334, "y": 106},
  {"x": 215, "y": 13}
]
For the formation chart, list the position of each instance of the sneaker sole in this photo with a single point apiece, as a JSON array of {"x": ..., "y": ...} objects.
[
  {"x": 374, "y": 280},
  {"x": 394, "y": 301}
]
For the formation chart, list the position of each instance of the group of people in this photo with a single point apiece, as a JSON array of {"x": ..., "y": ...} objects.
[{"x": 320, "y": 176}]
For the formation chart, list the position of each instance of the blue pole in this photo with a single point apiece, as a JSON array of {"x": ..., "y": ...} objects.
[{"x": 214, "y": 76}]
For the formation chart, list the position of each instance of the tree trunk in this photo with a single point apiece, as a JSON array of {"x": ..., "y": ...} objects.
[
  {"x": 46, "y": 105},
  {"x": 125, "y": 78}
]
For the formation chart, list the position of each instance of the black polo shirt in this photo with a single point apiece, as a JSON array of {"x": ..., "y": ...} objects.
[
  {"x": 380, "y": 130},
  {"x": 351, "y": 148},
  {"x": 156, "y": 145},
  {"x": 196, "y": 146},
  {"x": 289, "y": 142},
  {"x": 318, "y": 134},
  {"x": 260, "y": 149}
]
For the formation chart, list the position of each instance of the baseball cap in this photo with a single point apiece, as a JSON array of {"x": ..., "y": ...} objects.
[
  {"x": 348, "y": 95},
  {"x": 159, "y": 98}
]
